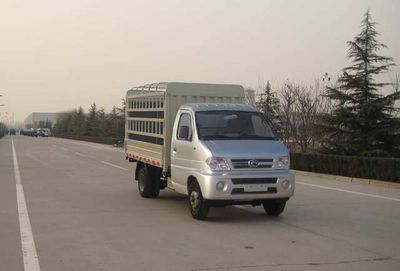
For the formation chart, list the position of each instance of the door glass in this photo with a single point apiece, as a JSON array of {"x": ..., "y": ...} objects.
[{"x": 185, "y": 120}]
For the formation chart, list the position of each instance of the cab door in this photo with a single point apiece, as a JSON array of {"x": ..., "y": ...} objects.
[{"x": 181, "y": 151}]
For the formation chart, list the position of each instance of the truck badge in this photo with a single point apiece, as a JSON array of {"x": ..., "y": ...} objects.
[{"x": 253, "y": 163}]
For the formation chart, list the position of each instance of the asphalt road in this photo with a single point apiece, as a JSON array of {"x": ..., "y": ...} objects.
[{"x": 85, "y": 214}]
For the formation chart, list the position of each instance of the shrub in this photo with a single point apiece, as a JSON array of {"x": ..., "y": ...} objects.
[
  {"x": 95, "y": 139},
  {"x": 385, "y": 169}
]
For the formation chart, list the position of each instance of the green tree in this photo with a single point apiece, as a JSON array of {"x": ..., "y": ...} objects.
[
  {"x": 116, "y": 123},
  {"x": 269, "y": 105},
  {"x": 79, "y": 122},
  {"x": 64, "y": 124},
  {"x": 363, "y": 121},
  {"x": 103, "y": 128},
  {"x": 97, "y": 123},
  {"x": 92, "y": 121}
]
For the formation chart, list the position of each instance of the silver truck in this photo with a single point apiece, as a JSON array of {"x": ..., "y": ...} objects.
[{"x": 201, "y": 140}]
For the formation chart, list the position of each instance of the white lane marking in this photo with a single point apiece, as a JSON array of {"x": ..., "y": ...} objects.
[
  {"x": 113, "y": 165},
  {"x": 348, "y": 191},
  {"x": 104, "y": 162},
  {"x": 31, "y": 260}
]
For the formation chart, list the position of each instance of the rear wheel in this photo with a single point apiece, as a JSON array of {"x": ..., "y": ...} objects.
[
  {"x": 198, "y": 205},
  {"x": 274, "y": 207},
  {"x": 148, "y": 185}
]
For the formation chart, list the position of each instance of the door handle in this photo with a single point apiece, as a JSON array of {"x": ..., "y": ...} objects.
[{"x": 174, "y": 150}]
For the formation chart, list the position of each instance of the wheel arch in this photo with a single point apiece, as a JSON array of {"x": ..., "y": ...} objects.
[
  {"x": 190, "y": 180},
  {"x": 139, "y": 166}
]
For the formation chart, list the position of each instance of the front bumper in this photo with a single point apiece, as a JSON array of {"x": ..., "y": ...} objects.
[{"x": 246, "y": 192}]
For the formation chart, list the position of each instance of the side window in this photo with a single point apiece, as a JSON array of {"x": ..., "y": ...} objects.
[{"x": 184, "y": 127}]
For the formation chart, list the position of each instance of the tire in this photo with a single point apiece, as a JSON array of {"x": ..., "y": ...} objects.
[
  {"x": 147, "y": 185},
  {"x": 156, "y": 184},
  {"x": 197, "y": 204},
  {"x": 274, "y": 207}
]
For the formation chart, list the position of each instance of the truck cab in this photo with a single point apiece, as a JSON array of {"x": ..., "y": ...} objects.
[
  {"x": 224, "y": 154},
  {"x": 201, "y": 140}
]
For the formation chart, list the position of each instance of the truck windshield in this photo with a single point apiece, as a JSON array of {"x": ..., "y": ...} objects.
[{"x": 233, "y": 125}]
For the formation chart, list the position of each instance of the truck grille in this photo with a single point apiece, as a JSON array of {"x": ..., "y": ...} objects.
[
  {"x": 236, "y": 191},
  {"x": 252, "y": 163},
  {"x": 254, "y": 180}
]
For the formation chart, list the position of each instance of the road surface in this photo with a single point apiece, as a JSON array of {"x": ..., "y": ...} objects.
[{"x": 76, "y": 206}]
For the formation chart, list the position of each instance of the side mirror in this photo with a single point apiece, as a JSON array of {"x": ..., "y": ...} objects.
[{"x": 183, "y": 132}]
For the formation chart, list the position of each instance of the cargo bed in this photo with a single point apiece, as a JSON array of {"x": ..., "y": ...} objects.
[{"x": 151, "y": 112}]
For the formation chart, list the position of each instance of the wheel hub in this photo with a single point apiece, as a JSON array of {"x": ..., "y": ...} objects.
[
  {"x": 141, "y": 185},
  {"x": 194, "y": 200}
]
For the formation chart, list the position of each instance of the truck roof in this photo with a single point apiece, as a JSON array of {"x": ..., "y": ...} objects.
[
  {"x": 200, "y": 89},
  {"x": 195, "y": 107}
]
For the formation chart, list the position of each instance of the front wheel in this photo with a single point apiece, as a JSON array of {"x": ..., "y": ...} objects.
[
  {"x": 274, "y": 207},
  {"x": 198, "y": 205}
]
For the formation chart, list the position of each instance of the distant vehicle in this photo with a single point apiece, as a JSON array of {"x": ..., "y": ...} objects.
[
  {"x": 46, "y": 132},
  {"x": 202, "y": 141},
  {"x": 25, "y": 132},
  {"x": 39, "y": 132},
  {"x": 13, "y": 132},
  {"x": 31, "y": 132},
  {"x": 118, "y": 143},
  {"x": 43, "y": 132}
]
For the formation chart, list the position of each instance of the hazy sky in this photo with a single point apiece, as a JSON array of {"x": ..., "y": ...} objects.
[{"x": 58, "y": 55}]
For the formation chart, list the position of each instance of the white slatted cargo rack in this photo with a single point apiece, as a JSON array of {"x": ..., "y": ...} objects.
[{"x": 151, "y": 111}]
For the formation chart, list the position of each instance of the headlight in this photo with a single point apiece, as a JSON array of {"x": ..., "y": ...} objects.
[
  {"x": 217, "y": 163},
  {"x": 283, "y": 162}
]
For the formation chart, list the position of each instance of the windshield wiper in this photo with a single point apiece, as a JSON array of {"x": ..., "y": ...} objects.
[
  {"x": 209, "y": 137},
  {"x": 249, "y": 136}
]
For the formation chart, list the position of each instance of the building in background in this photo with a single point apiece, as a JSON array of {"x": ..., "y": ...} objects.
[{"x": 41, "y": 120}]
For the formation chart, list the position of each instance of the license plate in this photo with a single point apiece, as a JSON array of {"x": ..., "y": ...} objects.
[{"x": 256, "y": 188}]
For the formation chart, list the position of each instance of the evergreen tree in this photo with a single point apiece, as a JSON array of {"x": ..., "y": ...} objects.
[
  {"x": 63, "y": 125},
  {"x": 363, "y": 121},
  {"x": 268, "y": 103},
  {"x": 103, "y": 123},
  {"x": 79, "y": 122},
  {"x": 92, "y": 121},
  {"x": 113, "y": 119},
  {"x": 97, "y": 123},
  {"x": 69, "y": 124}
]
